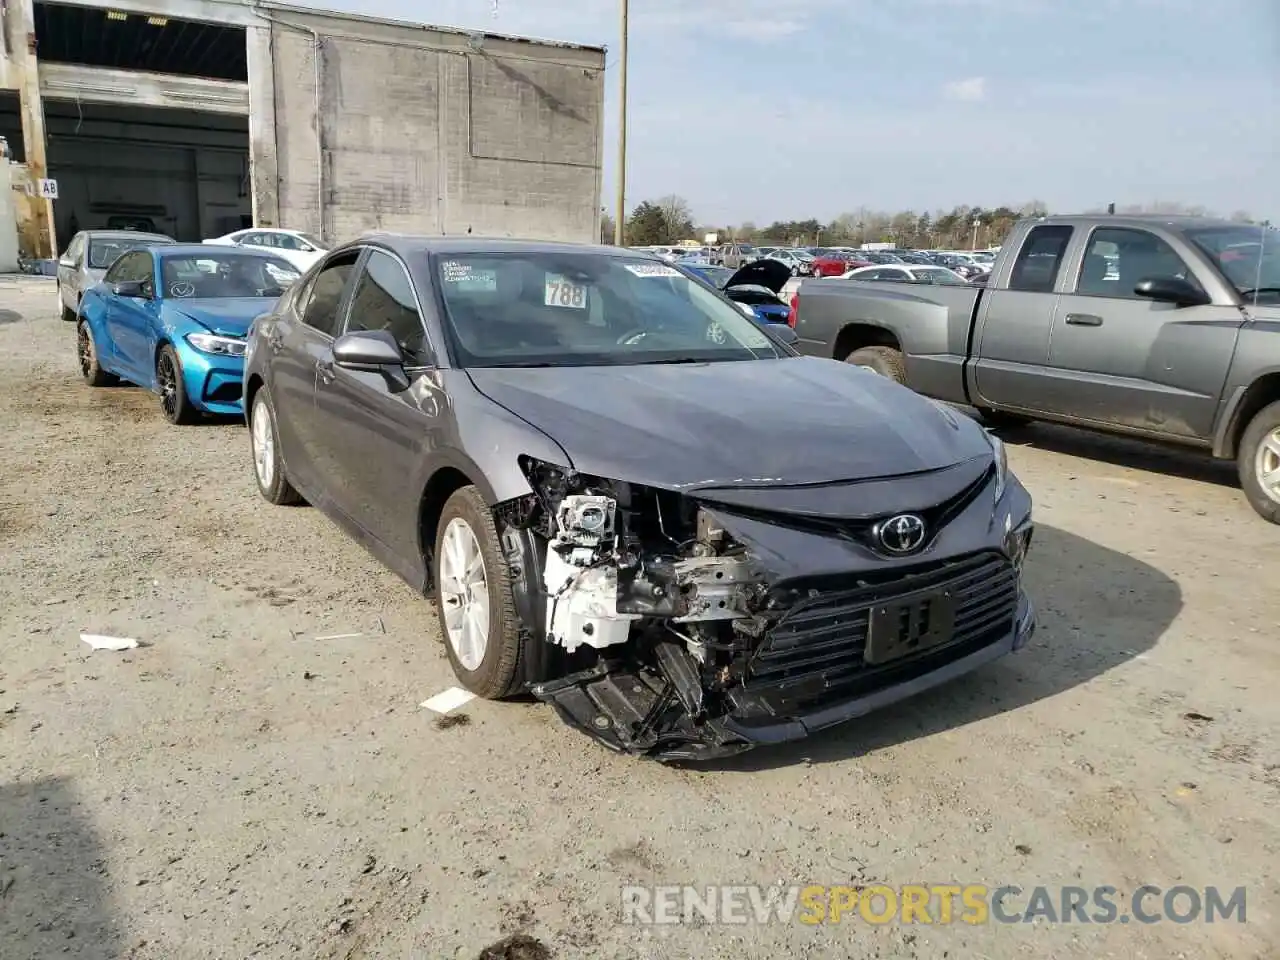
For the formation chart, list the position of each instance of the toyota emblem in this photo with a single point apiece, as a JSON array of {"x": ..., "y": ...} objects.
[{"x": 900, "y": 535}]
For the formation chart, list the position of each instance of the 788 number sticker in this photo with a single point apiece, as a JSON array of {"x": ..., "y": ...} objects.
[{"x": 560, "y": 292}]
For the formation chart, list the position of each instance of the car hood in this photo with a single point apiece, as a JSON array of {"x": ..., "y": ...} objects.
[
  {"x": 229, "y": 317},
  {"x": 767, "y": 423},
  {"x": 770, "y": 274}
]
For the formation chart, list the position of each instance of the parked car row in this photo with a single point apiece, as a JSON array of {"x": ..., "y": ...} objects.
[{"x": 549, "y": 439}]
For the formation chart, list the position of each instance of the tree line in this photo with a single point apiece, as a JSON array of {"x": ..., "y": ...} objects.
[{"x": 669, "y": 220}]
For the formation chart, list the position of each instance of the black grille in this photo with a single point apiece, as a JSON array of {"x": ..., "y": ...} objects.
[
  {"x": 818, "y": 648},
  {"x": 226, "y": 392}
]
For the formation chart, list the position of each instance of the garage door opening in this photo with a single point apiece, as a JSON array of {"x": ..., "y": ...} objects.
[{"x": 179, "y": 172}]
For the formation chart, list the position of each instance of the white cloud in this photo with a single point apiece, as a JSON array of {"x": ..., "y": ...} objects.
[
  {"x": 764, "y": 30},
  {"x": 971, "y": 89}
]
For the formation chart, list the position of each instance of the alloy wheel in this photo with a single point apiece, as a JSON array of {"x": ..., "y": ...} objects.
[
  {"x": 464, "y": 591},
  {"x": 167, "y": 377},
  {"x": 262, "y": 437},
  {"x": 1267, "y": 464},
  {"x": 84, "y": 350}
]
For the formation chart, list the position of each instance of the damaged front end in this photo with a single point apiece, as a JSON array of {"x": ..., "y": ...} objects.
[{"x": 687, "y": 626}]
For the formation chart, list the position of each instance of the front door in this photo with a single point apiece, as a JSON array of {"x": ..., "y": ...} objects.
[
  {"x": 1011, "y": 345},
  {"x": 1132, "y": 362},
  {"x": 69, "y": 264},
  {"x": 125, "y": 316},
  {"x": 374, "y": 436}
]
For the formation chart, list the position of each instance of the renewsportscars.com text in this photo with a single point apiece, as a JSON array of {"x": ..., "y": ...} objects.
[{"x": 972, "y": 904}]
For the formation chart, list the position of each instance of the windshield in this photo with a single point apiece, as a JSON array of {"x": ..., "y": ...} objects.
[
  {"x": 938, "y": 275},
  {"x": 578, "y": 309},
  {"x": 103, "y": 253},
  {"x": 226, "y": 275},
  {"x": 1248, "y": 256}
]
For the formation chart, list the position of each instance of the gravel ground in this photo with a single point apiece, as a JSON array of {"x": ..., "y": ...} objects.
[{"x": 239, "y": 788}]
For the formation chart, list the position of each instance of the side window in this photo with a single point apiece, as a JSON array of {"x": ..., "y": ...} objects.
[
  {"x": 383, "y": 300},
  {"x": 321, "y": 308},
  {"x": 1117, "y": 259},
  {"x": 1040, "y": 259},
  {"x": 285, "y": 242}
]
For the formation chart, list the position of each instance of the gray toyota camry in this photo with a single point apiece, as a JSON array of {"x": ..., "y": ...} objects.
[{"x": 630, "y": 500}]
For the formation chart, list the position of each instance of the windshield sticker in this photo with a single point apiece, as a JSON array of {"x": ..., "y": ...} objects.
[
  {"x": 653, "y": 270},
  {"x": 467, "y": 277},
  {"x": 559, "y": 292}
]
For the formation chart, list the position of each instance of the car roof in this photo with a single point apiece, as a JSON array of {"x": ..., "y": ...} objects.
[
  {"x": 188, "y": 249},
  {"x": 405, "y": 244},
  {"x": 126, "y": 235},
  {"x": 1177, "y": 222}
]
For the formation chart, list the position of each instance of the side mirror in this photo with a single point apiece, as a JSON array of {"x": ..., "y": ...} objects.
[
  {"x": 785, "y": 333},
  {"x": 1171, "y": 290},
  {"x": 135, "y": 289},
  {"x": 372, "y": 351},
  {"x": 66, "y": 262}
]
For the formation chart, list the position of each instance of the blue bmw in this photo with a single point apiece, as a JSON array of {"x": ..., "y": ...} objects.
[{"x": 173, "y": 319}]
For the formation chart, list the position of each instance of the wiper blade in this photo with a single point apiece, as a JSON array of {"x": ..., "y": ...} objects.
[
  {"x": 676, "y": 360},
  {"x": 1254, "y": 291}
]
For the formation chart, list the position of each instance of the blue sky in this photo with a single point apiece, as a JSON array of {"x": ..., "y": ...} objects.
[{"x": 777, "y": 109}]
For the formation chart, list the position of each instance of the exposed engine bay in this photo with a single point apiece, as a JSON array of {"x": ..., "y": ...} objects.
[{"x": 662, "y": 633}]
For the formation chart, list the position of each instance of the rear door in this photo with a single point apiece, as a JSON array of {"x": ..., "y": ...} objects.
[
  {"x": 1120, "y": 359},
  {"x": 373, "y": 437},
  {"x": 1015, "y": 321},
  {"x": 301, "y": 342}
]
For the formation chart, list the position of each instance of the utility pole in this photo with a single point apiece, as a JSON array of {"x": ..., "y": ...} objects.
[
  {"x": 22, "y": 42},
  {"x": 620, "y": 215},
  {"x": 976, "y": 224}
]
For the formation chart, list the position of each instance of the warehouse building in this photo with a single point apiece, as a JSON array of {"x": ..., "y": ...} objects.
[{"x": 198, "y": 117}]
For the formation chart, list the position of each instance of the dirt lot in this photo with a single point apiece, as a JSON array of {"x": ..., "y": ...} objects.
[{"x": 239, "y": 788}]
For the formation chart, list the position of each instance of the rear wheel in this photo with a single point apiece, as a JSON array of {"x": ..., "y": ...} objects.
[
  {"x": 1258, "y": 462},
  {"x": 173, "y": 389},
  {"x": 885, "y": 361},
  {"x": 87, "y": 355},
  {"x": 268, "y": 466},
  {"x": 473, "y": 596}
]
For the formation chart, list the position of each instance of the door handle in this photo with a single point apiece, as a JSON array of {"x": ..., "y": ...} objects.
[
  {"x": 324, "y": 370},
  {"x": 1084, "y": 320}
]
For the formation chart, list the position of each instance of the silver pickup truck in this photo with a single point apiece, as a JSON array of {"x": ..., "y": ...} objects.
[{"x": 1161, "y": 328}]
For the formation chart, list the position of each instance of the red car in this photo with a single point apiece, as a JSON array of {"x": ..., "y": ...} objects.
[{"x": 832, "y": 263}]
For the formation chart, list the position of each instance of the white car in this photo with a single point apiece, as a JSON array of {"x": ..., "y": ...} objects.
[
  {"x": 907, "y": 273},
  {"x": 300, "y": 249}
]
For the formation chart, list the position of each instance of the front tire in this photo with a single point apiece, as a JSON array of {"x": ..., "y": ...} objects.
[
  {"x": 174, "y": 401},
  {"x": 473, "y": 597},
  {"x": 264, "y": 442},
  {"x": 87, "y": 354},
  {"x": 1258, "y": 463},
  {"x": 885, "y": 361}
]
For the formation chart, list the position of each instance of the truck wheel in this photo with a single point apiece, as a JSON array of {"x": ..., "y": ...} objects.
[
  {"x": 1004, "y": 421},
  {"x": 885, "y": 361},
  {"x": 1259, "y": 462}
]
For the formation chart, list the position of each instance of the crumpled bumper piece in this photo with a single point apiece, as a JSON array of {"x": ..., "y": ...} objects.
[
  {"x": 632, "y": 711},
  {"x": 640, "y": 712}
]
